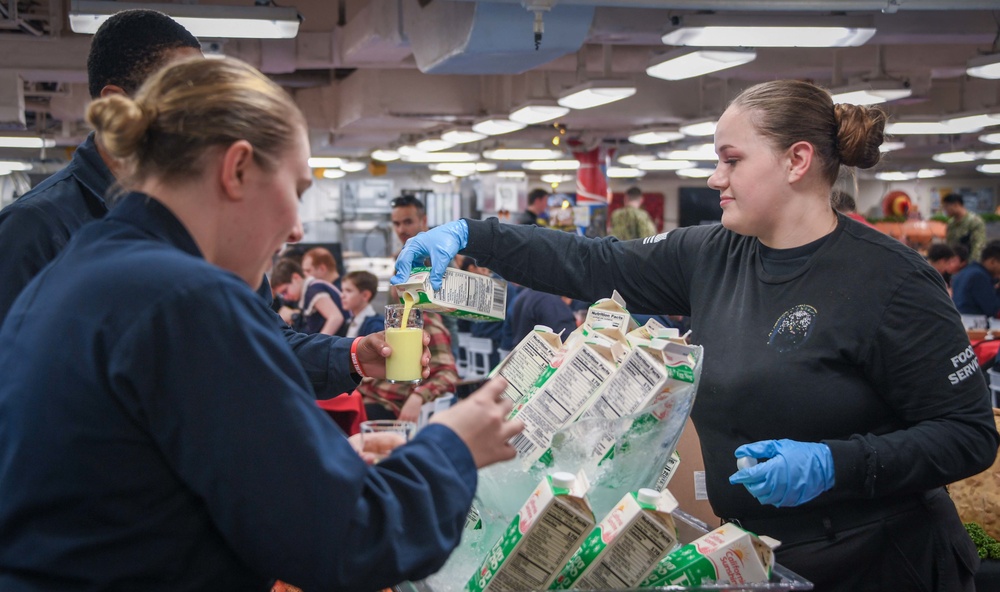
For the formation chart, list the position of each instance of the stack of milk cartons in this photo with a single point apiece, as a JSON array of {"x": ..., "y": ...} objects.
[{"x": 566, "y": 387}]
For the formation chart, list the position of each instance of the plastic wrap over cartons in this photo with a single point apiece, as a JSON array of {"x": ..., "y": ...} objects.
[{"x": 643, "y": 443}]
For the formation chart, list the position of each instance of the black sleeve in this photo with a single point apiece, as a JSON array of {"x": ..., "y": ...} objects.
[
  {"x": 652, "y": 274},
  {"x": 27, "y": 245},
  {"x": 924, "y": 367}
]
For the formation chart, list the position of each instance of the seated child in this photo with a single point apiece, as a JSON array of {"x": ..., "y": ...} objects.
[
  {"x": 319, "y": 303},
  {"x": 358, "y": 289}
]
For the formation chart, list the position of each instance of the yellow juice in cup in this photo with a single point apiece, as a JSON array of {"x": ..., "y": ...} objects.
[
  {"x": 407, "y": 343},
  {"x": 403, "y": 365}
]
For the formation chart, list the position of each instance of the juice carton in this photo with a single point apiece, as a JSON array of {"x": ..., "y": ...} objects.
[
  {"x": 539, "y": 540},
  {"x": 462, "y": 294},
  {"x": 646, "y": 332},
  {"x": 625, "y": 546},
  {"x": 525, "y": 364},
  {"x": 651, "y": 367},
  {"x": 609, "y": 312},
  {"x": 562, "y": 393},
  {"x": 727, "y": 555}
]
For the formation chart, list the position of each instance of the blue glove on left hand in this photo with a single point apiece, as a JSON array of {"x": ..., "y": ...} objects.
[
  {"x": 795, "y": 473},
  {"x": 440, "y": 243}
]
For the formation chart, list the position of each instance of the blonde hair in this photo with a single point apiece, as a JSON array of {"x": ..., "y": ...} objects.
[
  {"x": 790, "y": 111},
  {"x": 190, "y": 107}
]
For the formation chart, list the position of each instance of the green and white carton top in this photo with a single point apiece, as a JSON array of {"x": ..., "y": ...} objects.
[
  {"x": 622, "y": 550},
  {"x": 462, "y": 294},
  {"x": 610, "y": 312},
  {"x": 549, "y": 527},
  {"x": 727, "y": 555},
  {"x": 525, "y": 364}
]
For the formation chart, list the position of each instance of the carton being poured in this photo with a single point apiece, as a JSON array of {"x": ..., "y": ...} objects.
[
  {"x": 462, "y": 294},
  {"x": 727, "y": 555},
  {"x": 625, "y": 546},
  {"x": 539, "y": 540}
]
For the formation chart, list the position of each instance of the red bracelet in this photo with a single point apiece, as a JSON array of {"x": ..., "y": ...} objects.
[{"x": 354, "y": 358}]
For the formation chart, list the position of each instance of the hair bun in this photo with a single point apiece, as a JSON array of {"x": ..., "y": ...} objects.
[
  {"x": 860, "y": 132},
  {"x": 121, "y": 122}
]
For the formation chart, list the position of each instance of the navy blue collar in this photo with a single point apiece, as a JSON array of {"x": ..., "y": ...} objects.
[
  {"x": 88, "y": 167},
  {"x": 148, "y": 214}
]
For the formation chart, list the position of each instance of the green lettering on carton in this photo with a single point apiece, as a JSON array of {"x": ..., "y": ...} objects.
[{"x": 684, "y": 567}]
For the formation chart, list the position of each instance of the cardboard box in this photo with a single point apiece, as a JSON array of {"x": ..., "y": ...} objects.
[
  {"x": 627, "y": 544},
  {"x": 562, "y": 393},
  {"x": 462, "y": 294},
  {"x": 526, "y": 363},
  {"x": 548, "y": 528},
  {"x": 727, "y": 555},
  {"x": 688, "y": 481}
]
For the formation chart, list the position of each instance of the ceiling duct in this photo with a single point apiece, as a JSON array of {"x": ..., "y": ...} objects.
[{"x": 491, "y": 38}]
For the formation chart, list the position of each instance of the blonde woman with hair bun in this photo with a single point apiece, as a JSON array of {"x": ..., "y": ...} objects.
[
  {"x": 158, "y": 432},
  {"x": 833, "y": 354}
]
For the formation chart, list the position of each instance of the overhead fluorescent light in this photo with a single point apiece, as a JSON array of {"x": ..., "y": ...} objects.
[
  {"x": 385, "y": 155},
  {"x": 333, "y": 173},
  {"x": 434, "y": 145},
  {"x": 512, "y": 174},
  {"x": 555, "y": 179},
  {"x": 695, "y": 173},
  {"x": 353, "y": 166},
  {"x": 770, "y": 31},
  {"x": 538, "y": 111},
  {"x": 930, "y": 173},
  {"x": 666, "y": 165},
  {"x": 872, "y": 92},
  {"x": 425, "y": 157},
  {"x": 624, "y": 173},
  {"x": 202, "y": 20},
  {"x": 699, "y": 152},
  {"x": 953, "y": 157},
  {"x": 496, "y": 125},
  {"x": 25, "y": 142},
  {"x": 635, "y": 159},
  {"x": 700, "y": 127},
  {"x": 325, "y": 162},
  {"x": 15, "y": 165},
  {"x": 443, "y": 179},
  {"x": 523, "y": 154},
  {"x": 972, "y": 122},
  {"x": 551, "y": 165},
  {"x": 658, "y": 135},
  {"x": 991, "y": 155},
  {"x": 890, "y": 146},
  {"x": 688, "y": 63},
  {"x": 595, "y": 93},
  {"x": 993, "y": 138},
  {"x": 895, "y": 176},
  {"x": 471, "y": 167},
  {"x": 461, "y": 136},
  {"x": 987, "y": 66},
  {"x": 990, "y": 169},
  {"x": 903, "y": 128}
]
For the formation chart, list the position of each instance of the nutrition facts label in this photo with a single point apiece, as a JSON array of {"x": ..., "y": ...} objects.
[
  {"x": 549, "y": 544},
  {"x": 525, "y": 365},
  {"x": 629, "y": 557}
]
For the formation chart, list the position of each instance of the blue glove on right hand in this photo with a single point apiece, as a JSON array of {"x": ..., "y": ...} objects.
[{"x": 440, "y": 243}]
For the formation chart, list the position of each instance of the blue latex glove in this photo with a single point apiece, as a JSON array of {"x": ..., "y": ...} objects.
[
  {"x": 440, "y": 243},
  {"x": 795, "y": 473}
]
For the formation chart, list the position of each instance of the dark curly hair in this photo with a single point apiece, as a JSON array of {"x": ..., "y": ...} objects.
[{"x": 130, "y": 46}]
